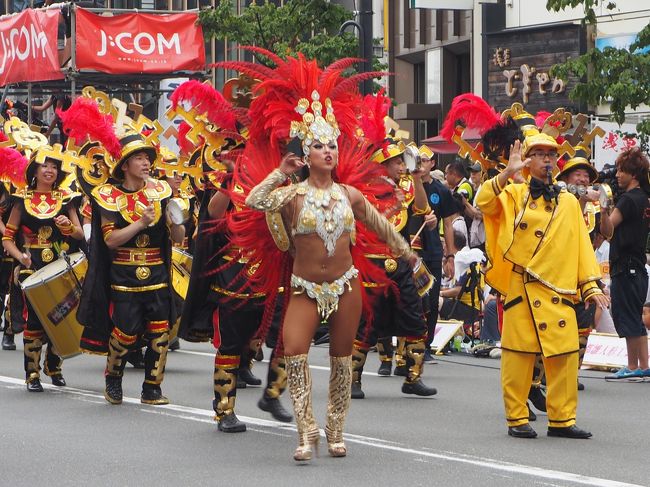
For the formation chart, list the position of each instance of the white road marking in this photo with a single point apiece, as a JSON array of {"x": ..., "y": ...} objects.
[
  {"x": 205, "y": 416},
  {"x": 314, "y": 367}
]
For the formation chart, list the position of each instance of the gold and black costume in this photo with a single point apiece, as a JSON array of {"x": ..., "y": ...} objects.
[{"x": 42, "y": 240}]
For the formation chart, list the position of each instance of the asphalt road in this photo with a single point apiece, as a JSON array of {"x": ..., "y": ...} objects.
[{"x": 72, "y": 436}]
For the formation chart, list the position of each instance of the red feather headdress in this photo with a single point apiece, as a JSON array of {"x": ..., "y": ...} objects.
[
  {"x": 12, "y": 166},
  {"x": 83, "y": 121}
]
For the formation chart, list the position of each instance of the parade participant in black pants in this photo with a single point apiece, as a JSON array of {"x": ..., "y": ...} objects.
[
  {"x": 42, "y": 218},
  {"x": 403, "y": 317}
]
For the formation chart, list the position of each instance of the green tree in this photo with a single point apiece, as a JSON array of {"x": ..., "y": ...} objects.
[
  {"x": 307, "y": 26},
  {"x": 620, "y": 77}
]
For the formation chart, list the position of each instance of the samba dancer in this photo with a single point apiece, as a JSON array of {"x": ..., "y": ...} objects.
[
  {"x": 312, "y": 222},
  {"x": 42, "y": 219}
]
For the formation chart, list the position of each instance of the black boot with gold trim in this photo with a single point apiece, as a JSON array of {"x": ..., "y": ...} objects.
[
  {"x": 276, "y": 383},
  {"x": 359, "y": 355},
  {"x": 401, "y": 367},
  {"x": 415, "y": 361},
  {"x": 8, "y": 337},
  {"x": 33, "y": 345},
  {"x": 225, "y": 393},
  {"x": 583, "y": 339},
  {"x": 385, "y": 351},
  {"x": 245, "y": 376},
  {"x": 53, "y": 367},
  {"x": 155, "y": 359},
  {"x": 119, "y": 345}
]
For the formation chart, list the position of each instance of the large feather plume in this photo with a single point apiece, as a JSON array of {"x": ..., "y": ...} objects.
[
  {"x": 83, "y": 121},
  {"x": 209, "y": 101},
  {"x": 375, "y": 108},
  {"x": 471, "y": 111},
  {"x": 12, "y": 166}
]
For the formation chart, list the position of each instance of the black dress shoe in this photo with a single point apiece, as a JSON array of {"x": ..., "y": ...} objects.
[
  {"x": 34, "y": 385},
  {"x": 531, "y": 415},
  {"x": 385, "y": 369},
  {"x": 275, "y": 407},
  {"x": 356, "y": 392},
  {"x": 247, "y": 376},
  {"x": 229, "y": 423},
  {"x": 537, "y": 397},
  {"x": 153, "y": 396},
  {"x": 570, "y": 432},
  {"x": 58, "y": 380},
  {"x": 8, "y": 342},
  {"x": 401, "y": 370},
  {"x": 113, "y": 390},
  {"x": 418, "y": 388},
  {"x": 522, "y": 431},
  {"x": 581, "y": 386}
]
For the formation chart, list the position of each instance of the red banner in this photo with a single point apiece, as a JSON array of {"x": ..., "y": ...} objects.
[
  {"x": 28, "y": 50},
  {"x": 139, "y": 43}
]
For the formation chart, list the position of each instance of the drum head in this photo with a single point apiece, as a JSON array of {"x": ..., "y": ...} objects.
[
  {"x": 605, "y": 195},
  {"x": 178, "y": 213},
  {"x": 411, "y": 159},
  {"x": 52, "y": 270}
]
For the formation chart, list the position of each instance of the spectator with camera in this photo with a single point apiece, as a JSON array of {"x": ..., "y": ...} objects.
[{"x": 626, "y": 227}]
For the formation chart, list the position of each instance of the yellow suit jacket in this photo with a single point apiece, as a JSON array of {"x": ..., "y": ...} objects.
[{"x": 549, "y": 242}]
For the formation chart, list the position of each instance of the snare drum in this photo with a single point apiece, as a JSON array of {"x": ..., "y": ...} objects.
[
  {"x": 54, "y": 293},
  {"x": 423, "y": 278},
  {"x": 181, "y": 270},
  {"x": 178, "y": 210}
]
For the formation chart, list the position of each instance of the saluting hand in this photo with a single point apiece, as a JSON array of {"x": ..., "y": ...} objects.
[{"x": 515, "y": 162}]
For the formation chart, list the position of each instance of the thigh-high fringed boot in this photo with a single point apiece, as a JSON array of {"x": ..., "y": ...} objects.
[
  {"x": 338, "y": 404},
  {"x": 299, "y": 380}
]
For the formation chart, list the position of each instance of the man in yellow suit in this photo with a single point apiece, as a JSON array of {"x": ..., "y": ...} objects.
[{"x": 540, "y": 257}]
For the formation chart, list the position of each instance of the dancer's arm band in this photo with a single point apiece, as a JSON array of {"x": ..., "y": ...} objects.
[
  {"x": 266, "y": 196},
  {"x": 382, "y": 227}
]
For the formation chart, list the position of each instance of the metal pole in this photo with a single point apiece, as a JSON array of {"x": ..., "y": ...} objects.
[
  {"x": 29, "y": 103},
  {"x": 365, "y": 18},
  {"x": 5, "y": 92},
  {"x": 73, "y": 38}
]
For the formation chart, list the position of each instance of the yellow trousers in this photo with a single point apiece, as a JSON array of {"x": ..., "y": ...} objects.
[{"x": 561, "y": 387}]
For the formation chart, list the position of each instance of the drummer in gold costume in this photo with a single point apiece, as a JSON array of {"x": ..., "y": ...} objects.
[
  {"x": 136, "y": 231},
  {"x": 404, "y": 316},
  {"x": 529, "y": 227},
  {"x": 42, "y": 220}
]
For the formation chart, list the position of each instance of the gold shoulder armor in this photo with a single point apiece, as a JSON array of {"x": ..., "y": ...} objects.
[{"x": 106, "y": 196}]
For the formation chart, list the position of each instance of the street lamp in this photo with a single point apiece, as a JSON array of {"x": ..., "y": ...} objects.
[{"x": 364, "y": 26}]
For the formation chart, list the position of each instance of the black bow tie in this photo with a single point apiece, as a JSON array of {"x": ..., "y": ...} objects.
[{"x": 540, "y": 188}]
